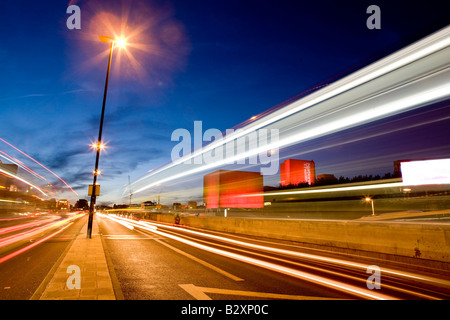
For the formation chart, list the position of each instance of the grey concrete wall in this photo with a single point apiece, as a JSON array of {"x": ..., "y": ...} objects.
[{"x": 423, "y": 241}]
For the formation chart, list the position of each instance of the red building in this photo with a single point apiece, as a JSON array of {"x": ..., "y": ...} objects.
[
  {"x": 293, "y": 171},
  {"x": 233, "y": 189}
]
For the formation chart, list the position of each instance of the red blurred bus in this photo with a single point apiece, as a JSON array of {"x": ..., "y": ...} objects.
[{"x": 63, "y": 205}]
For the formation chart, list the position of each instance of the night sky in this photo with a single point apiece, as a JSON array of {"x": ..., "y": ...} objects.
[{"x": 220, "y": 62}]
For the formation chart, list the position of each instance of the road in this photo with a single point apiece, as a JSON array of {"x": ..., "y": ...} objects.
[
  {"x": 29, "y": 248},
  {"x": 154, "y": 261}
]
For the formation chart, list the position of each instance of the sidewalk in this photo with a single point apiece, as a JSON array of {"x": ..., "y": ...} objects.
[{"x": 89, "y": 256}]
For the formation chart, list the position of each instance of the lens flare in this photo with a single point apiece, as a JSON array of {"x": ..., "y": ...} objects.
[
  {"x": 153, "y": 44},
  {"x": 120, "y": 42}
]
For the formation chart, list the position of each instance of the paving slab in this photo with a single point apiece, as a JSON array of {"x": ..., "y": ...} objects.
[{"x": 83, "y": 273}]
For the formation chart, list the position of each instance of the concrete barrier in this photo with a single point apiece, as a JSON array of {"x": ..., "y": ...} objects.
[{"x": 421, "y": 241}]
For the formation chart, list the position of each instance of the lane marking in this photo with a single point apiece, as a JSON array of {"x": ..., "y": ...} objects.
[
  {"x": 202, "y": 262},
  {"x": 194, "y": 291},
  {"x": 199, "y": 293},
  {"x": 129, "y": 237},
  {"x": 323, "y": 281},
  {"x": 303, "y": 265},
  {"x": 325, "y": 259},
  {"x": 157, "y": 239}
]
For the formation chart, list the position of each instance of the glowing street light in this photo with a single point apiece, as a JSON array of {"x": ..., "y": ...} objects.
[
  {"x": 96, "y": 146},
  {"x": 368, "y": 199},
  {"x": 120, "y": 42}
]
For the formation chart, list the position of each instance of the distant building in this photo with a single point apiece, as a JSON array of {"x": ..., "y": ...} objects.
[
  {"x": 176, "y": 206},
  {"x": 7, "y": 183},
  {"x": 82, "y": 204},
  {"x": 192, "y": 204},
  {"x": 148, "y": 205},
  {"x": 294, "y": 172},
  {"x": 233, "y": 189}
]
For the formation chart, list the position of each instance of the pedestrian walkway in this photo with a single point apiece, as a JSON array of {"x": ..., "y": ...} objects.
[{"x": 95, "y": 280}]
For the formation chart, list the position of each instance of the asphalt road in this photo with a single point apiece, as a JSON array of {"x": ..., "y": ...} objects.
[
  {"x": 22, "y": 274},
  {"x": 167, "y": 262},
  {"x": 151, "y": 267}
]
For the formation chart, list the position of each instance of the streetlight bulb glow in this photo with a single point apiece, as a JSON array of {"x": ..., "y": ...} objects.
[
  {"x": 120, "y": 42},
  {"x": 96, "y": 146}
]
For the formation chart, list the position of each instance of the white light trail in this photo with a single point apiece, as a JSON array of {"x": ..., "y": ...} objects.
[
  {"x": 416, "y": 51},
  {"x": 10, "y": 201},
  {"x": 431, "y": 84},
  {"x": 20, "y": 164},
  {"x": 23, "y": 180},
  {"x": 116, "y": 219},
  {"x": 152, "y": 227},
  {"x": 337, "y": 189},
  {"x": 392, "y": 107},
  {"x": 40, "y": 165},
  {"x": 361, "y": 292}
]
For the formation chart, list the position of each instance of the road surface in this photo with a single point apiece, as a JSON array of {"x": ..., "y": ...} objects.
[{"x": 157, "y": 261}]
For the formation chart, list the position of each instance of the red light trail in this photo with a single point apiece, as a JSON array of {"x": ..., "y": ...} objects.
[
  {"x": 40, "y": 165},
  {"x": 65, "y": 223}
]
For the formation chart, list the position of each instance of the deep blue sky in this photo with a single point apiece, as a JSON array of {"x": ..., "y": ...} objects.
[{"x": 220, "y": 62}]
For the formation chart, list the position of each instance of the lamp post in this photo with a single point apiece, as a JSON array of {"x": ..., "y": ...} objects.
[
  {"x": 99, "y": 144},
  {"x": 371, "y": 202}
]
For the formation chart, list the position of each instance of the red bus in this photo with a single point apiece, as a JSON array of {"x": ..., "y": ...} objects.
[{"x": 63, "y": 205}]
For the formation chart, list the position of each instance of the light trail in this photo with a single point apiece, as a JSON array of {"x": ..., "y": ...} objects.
[
  {"x": 336, "y": 189},
  {"x": 124, "y": 223},
  {"x": 429, "y": 83},
  {"x": 9, "y": 201},
  {"x": 294, "y": 253},
  {"x": 34, "y": 244},
  {"x": 369, "y": 136},
  {"x": 153, "y": 227},
  {"x": 18, "y": 218},
  {"x": 40, "y": 165},
  {"x": 23, "y": 180},
  {"x": 361, "y": 292},
  {"x": 36, "y": 231},
  {"x": 329, "y": 127},
  {"x": 26, "y": 225},
  {"x": 20, "y": 164}
]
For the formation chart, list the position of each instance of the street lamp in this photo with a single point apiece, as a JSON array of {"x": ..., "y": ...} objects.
[
  {"x": 368, "y": 199},
  {"x": 99, "y": 146}
]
